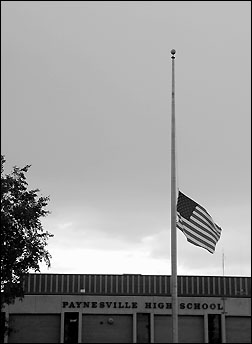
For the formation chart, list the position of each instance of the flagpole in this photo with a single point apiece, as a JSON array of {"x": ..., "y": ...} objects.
[{"x": 174, "y": 285}]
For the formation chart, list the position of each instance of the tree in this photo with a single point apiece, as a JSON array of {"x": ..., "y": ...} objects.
[{"x": 23, "y": 239}]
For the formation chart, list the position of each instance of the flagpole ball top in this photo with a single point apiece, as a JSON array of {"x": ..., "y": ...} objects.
[{"x": 173, "y": 51}]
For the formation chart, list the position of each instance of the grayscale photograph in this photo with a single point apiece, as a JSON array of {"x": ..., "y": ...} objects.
[{"x": 125, "y": 172}]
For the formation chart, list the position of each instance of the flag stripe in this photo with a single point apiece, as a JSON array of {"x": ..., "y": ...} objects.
[
  {"x": 207, "y": 228},
  {"x": 218, "y": 229},
  {"x": 204, "y": 217},
  {"x": 197, "y": 232},
  {"x": 207, "y": 218},
  {"x": 196, "y": 221},
  {"x": 195, "y": 240},
  {"x": 200, "y": 230},
  {"x": 200, "y": 244}
]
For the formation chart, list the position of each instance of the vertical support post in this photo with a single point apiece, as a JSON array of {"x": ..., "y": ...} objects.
[
  {"x": 134, "y": 327},
  {"x": 80, "y": 328},
  {"x": 152, "y": 328},
  {"x": 62, "y": 327},
  {"x": 174, "y": 285},
  {"x": 205, "y": 328},
  {"x": 223, "y": 328}
]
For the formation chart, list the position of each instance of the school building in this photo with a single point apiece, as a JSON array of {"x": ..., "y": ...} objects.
[{"x": 76, "y": 308}]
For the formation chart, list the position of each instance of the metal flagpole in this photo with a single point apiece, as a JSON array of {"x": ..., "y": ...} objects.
[{"x": 174, "y": 285}]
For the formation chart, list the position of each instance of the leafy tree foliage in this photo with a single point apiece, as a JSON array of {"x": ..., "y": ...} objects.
[{"x": 23, "y": 239}]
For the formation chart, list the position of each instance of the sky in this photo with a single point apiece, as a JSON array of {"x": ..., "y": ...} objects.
[{"x": 86, "y": 100}]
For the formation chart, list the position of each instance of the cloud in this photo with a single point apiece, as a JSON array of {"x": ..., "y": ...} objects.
[
  {"x": 89, "y": 107},
  {"x": 105, "y": 262}
]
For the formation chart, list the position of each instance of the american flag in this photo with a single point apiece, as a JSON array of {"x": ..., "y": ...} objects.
[{"x": 197, "y": 225}]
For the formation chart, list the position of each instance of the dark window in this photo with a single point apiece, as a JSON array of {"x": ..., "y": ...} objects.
[
  {"x": 71, "y": 321},
  {"x": 214, "y": 328},
  {"x": 143, "y": 328}
]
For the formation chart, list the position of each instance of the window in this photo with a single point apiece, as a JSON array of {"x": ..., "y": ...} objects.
[
  {"x": 214, "y": 328},
  {"x": 71, "y": 322},
  {"x": 143, "y": 328}
]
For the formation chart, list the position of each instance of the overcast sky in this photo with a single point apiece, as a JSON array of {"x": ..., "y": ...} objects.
[{"x": 86, "y": 100}]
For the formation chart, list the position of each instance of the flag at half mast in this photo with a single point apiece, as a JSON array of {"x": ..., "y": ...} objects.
[{"x": 197, "y": 225}]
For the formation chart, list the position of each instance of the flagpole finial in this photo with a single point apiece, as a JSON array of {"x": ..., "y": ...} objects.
[{"x": 173, "y": 52}]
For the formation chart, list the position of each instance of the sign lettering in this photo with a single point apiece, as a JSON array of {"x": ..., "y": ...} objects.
[{"x": 147, "y": 305}]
